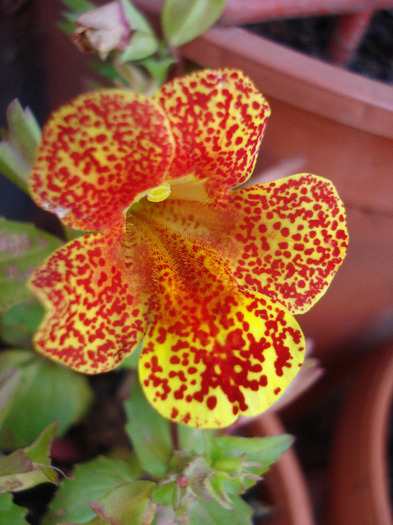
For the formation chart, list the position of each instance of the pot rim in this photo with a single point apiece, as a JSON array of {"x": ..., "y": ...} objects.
[{"x": 297, "y": 79}]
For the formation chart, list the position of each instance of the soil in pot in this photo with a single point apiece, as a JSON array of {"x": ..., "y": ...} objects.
[{"x": 373, "y": 58}]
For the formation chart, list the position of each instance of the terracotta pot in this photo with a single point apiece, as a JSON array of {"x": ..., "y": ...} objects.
[
  {"x": 359, "y": 470},
  {"x": 338, "y": 125},
  {"x": 350, "y": 30},
  {"x": 238, "y": 12},
  {"x": 285, "y": 482}
]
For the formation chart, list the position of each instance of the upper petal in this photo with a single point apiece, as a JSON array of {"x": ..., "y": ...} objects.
[
  {"x": 218, "y": 119},
  {"x": 96, "y": 309},
  {"x": 97, "y": 154}
]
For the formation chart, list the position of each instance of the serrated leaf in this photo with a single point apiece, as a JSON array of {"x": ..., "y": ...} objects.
[
  {"x": 48, "y": 392},
  {"x": 239, "y": 462},
  {"x": 18, "y": 325},
  {"x": 149, "y": 433},
  {"x": 92, "y": 481},
  {"x": 185, "y": 20},
  {"x": 264, "y": 451},
  {"x": 11, "y": 513},
  {"x": 212, "y": 513},
  {"x": 22, "y": 248},
  {"x": 142, "y": 45},
  {"x": 128, "y": 503},
  {"x": 27, "y": 468}
]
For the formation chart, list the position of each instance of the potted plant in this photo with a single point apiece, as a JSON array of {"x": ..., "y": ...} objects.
[{"x": 179, "y": 476}]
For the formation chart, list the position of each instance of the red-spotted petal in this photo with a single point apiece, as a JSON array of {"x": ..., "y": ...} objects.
[
  {"x": 219, "y": 357},
  {"x": 218, "y": 120},
  {"x": 285, "y": 239},
  {"x": 96, "y": 310},
  {"x": 97, "y": 154},
  {"x": 213, "y": 351},
  {"x": 293, "y": 238}
]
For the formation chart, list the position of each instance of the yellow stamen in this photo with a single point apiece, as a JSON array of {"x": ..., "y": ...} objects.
[{"x": 160, "y": 193}]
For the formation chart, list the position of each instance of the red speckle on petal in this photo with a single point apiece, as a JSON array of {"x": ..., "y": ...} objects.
[{"x": 211, "y": 402}]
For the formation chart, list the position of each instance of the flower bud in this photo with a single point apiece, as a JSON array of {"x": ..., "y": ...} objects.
[{"x": 103, "y": 29}]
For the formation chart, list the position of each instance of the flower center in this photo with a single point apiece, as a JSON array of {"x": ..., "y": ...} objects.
[{"x": 186, "y": 188}]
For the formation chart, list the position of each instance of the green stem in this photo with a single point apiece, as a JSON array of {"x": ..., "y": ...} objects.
[{"x": 175, "y": 435}]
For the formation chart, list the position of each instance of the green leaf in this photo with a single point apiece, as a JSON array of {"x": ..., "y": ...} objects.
[
  {"x": 212, "y": 513},
  {"x": 10, "y": 380},
  {"x": 143, "y": 42},
  {"x": 141, "y": 45},
  {"x": 239, "y": 462},
  {"x": 13, "y": 165},
  {"x": 194, "y": 440},
  {"x": 264, "y": 451},
  {"x": 18, "y": 152},
  {"x": 149, "y": 433},
  {"x": 129, "y": 503},
  {"x": 39, "y": 451},
  {"x": 219, "y": 492},
  {"x": 18, "y": 325},
  {"x": 185, "y": 20},
  {"x": 105, "y": 69},
  {"x": 24, "y": 130},
  {"x": 10, "y": 512},
  {"x": 131, "y": 362},
  {"x": 22, "y": 248},
  {"x": 27, "y": 468},
  {"x": 76, "y": 8},
  {"x": 48, "y": 392},
  {"x": 136, "y": 20},
  {"x": 164, "y": 494},
  {"x": 78, "y": 5},
  {"x": 158, "y": 68},
  {"x": 92, "y": 481},
  {"x": 199, "y": 474}
]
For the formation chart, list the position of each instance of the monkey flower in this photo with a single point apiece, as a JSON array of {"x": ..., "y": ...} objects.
[{"x": 206, "y": 274}]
